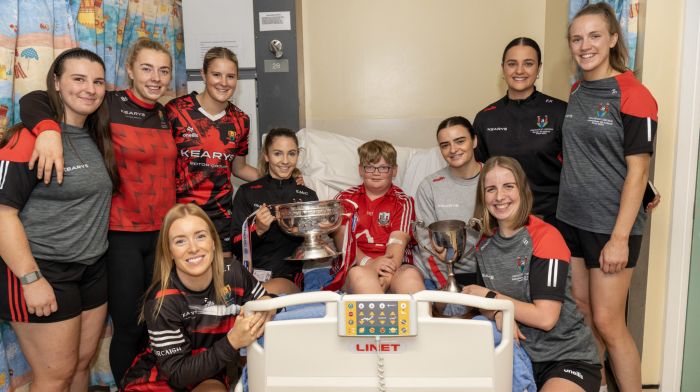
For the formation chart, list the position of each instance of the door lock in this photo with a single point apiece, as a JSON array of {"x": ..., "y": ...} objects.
[{"x": 276, "y": 48}]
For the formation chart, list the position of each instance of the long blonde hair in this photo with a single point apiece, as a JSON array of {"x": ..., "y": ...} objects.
[{"x": 164, "y": 262}]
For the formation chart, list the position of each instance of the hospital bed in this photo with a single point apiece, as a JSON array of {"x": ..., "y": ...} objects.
[{"x": 386, "y": 342}]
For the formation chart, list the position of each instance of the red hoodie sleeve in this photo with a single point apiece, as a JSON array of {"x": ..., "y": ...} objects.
[{"x": 36, "y": 113}]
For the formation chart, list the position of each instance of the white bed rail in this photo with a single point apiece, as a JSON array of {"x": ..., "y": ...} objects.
[{"x": 444, "y": 355}]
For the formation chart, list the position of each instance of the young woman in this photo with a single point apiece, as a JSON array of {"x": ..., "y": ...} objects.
[
  {"x": 145, "y": 155},
  {"x": 54, "y": 237},
  {"x": 608, "y": 141},
  {"x": 526, "y": 125},
  {"x": 525, "y": 260},
  {"x": 270, "y": 244},
  {"x": 450, "y": 193},
  {"x": 193, "y": 309},
  {"x": 212, "y": 139}
]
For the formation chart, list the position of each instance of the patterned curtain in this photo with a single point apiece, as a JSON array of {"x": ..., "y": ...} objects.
[
  {"x": 109, "y": 27},
  {"x": 33, "y": 32},
  {"x": 627, "y": 12}
]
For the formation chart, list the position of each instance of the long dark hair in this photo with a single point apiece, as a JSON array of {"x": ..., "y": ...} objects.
[{"x": 97, "y": 123}]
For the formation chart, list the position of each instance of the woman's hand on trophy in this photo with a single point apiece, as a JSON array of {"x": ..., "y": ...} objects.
[{"x": 263, "y": 219}]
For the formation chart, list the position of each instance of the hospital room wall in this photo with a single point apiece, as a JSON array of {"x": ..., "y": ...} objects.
[
  {"x": 660, "y": 72},
  {"x": 392, "y": 70}
]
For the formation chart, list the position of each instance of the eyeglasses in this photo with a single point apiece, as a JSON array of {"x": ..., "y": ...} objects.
[{"x": 372, "y": 169}]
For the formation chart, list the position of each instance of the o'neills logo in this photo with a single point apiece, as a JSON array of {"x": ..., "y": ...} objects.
[
  {"x": 382, "y": 347},
  {"x": 206, "y": 154},
  {"x": 573, "y": 372}
]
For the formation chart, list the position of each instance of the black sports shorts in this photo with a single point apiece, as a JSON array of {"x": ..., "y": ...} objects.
[
  {"x": 588, "y": 245},
  {"x": 77, "y": 287}
]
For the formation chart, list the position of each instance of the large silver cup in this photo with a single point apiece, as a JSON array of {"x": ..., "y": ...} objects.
[
  {"x": 311, "y": 220},
  {"x": 450, "y": 240}
]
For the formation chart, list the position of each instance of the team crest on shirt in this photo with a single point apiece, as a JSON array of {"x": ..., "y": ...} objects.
[
  {"x": 602, "y": 110},
  {"x": 384, "y": 218},
  {"x": 520, "y": 264},
  {"x": 542, "y": 121},
  {"x": 232, "y": 136}
]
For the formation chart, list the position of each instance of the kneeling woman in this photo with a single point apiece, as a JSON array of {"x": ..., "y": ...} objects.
[
  {"x": 278, "y": 185},
  {"x": 193, "y": 309},
  {"x": 525, "y": 260}
]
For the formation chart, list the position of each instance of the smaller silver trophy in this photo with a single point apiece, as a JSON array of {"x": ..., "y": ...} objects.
[
  {"x": 311, "y": 220},
  {"x": 450, "y": 240}
]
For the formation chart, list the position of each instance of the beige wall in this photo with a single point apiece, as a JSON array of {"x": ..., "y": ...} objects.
[
  {"x": 557, "y": 66},
  {"x": 660, "y": 73},
  {"x": 393, "y": 69}
]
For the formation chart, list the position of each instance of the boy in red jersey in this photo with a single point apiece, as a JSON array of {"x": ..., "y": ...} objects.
[{"x": 383, "y": 261}]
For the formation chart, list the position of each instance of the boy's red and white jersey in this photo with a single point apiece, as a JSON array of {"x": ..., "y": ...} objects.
[{"x": 378, "y": 218}]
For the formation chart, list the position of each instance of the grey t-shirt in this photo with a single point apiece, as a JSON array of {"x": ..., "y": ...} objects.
[
  {"x": 64, "y": 223},
  {"x": 606, "y": 120},
  {"x": 532, "y": 265},
  {"x": 442, "y": 196}
]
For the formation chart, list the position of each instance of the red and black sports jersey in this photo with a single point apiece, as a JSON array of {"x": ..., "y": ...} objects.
[
  {"x": 528, "y": 130},
  {"x": 531, "y": 265},
  {"x": 188, "y": 342},
  {"x": 378, "y": 218},
  {"x": 144, "y": 151},
  {"x": 206, "y": 150}
]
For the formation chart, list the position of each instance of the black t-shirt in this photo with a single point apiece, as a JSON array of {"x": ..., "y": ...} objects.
[
  {"x": 269, "y": 250},
  {"x": 528, "y": 130}
]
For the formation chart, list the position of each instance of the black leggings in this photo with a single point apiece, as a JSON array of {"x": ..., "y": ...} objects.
[{"x": 129, "y": 272}]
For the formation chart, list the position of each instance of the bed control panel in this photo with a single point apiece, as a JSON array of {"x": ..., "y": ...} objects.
[{"x": 363, "y": 315}]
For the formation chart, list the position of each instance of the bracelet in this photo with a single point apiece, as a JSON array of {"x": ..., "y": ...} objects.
[
  {"x": 496, "y": 312},
  {"x": 364, "y": 260},
  {"x": 491, "y": 294}
]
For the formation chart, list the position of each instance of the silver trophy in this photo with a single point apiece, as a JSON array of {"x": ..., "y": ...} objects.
[
  {"x": 450, "y": 240},
  {"x": 311, "y": 220}
]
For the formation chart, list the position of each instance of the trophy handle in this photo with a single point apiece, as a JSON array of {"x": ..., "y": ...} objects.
[
  {"x": 273, "y": 209},
  {"x": 416, "y": 227}
]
